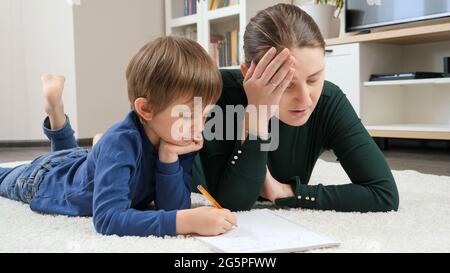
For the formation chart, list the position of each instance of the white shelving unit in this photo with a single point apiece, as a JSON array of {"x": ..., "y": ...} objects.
[
  {"x": 425, "y": 100},
  {"x": 205, "y": 22},
  {"x": 436, "y": 81},
  {"x": 416, "y": 109}
]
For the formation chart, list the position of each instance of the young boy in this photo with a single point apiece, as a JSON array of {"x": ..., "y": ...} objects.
[{"x": 136, "y": 162}]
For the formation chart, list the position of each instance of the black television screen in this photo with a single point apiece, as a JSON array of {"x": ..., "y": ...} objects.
[{"x": 368, "y": 14}]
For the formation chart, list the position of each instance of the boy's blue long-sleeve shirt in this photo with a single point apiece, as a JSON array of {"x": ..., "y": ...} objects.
[{"x": 117, "y": 182}]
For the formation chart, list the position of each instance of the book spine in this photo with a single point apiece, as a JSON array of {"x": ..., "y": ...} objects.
[
  {"x": 228, "y": 49},
  {"x": 238, "y": 49},
  {"x": 222, "y": 54},
  {"x": 216, "y": 54},
  {"x": 233, "y": 48},
  {"x": 186, "y": 7}
]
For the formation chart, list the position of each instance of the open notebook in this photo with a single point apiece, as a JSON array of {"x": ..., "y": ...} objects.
[{"x": 265, "y": 231}]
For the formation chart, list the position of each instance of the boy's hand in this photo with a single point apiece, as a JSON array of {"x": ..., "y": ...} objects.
[
  {"x": 205, "y": 221},
  {"x": 168, "y": 152}
]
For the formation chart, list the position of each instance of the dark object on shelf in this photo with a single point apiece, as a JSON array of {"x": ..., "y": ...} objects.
[
  {"x": 405, "y": 76},
  {"x": 447, "y": 66}
]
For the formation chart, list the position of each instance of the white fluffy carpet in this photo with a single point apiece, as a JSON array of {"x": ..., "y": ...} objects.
[{"x": 422, "y": 223}]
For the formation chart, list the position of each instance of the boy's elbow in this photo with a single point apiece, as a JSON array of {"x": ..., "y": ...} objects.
[
  {"x": 102, "y": 224},
  {"x": 99, "y": 227}
]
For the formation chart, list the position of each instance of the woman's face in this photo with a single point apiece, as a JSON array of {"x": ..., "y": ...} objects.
[{"x": 301, "y": 97}]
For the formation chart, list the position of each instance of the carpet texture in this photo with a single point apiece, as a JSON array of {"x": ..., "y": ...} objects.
[{"x": 422, "y": 223}]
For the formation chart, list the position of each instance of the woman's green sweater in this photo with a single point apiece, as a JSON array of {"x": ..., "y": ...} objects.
[{"x": 334, "y": 125}]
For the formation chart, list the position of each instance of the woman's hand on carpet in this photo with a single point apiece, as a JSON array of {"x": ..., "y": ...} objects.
[
  {"x": 205, "y": 221},
  {"x": 273, "y": 190}
]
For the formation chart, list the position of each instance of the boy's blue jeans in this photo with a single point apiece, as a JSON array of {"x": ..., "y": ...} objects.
[{"x": 22, "y": 183}]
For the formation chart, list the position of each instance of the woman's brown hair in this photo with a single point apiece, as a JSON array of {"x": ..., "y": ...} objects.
[{"x": 280, "y": 26}]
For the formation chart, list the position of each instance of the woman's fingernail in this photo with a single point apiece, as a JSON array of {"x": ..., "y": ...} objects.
[{"x": 272, "y": 50}]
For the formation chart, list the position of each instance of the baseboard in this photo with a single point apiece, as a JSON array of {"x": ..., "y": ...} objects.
[{"x": 85, "y": 142}]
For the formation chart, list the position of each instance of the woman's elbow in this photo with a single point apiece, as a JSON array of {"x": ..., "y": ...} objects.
[
  {"x": 394, "y": 201},
  {"x": 391, "y": 198},
  {"x": 237, "y": 204}
]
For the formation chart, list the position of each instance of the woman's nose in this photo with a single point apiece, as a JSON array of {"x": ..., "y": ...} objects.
[{"x": 303, "y": 96}]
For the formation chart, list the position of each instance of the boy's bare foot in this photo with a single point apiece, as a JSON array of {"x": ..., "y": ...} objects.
[{"x": 52, "y": 88}]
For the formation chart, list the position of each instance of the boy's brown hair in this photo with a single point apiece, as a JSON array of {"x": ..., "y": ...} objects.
[{"x": 169, "y": 68}]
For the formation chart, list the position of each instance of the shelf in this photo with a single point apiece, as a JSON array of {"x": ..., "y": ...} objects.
[
  {"x": 415, "y": 131},
  {"x": 437, "y": 81},
  {"x": 184, "y": 21},
  {"x": 223, "y": 12},
  {"x": 413, "y": 35}
]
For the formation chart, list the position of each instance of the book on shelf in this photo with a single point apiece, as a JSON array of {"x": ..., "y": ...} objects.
[
  {"x": 224, "y": 49},
  {"x": 190, "y": 7},
  {"x": 217, "y": 4}
]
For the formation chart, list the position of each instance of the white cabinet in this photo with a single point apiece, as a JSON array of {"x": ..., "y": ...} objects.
[
  {"x": 206, "y": 22},
  {"x": 342, "y": 67},
  {"x": 416, "y": 109}
]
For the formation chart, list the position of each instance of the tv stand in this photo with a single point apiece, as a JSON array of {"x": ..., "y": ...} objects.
[
  {"x": 416, "y": 35},
  {"x": 367, "y": 31},
  {"x": 413, "y": 109}
]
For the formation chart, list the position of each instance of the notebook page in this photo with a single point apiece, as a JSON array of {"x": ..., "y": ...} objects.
[{"x": 265, "y": 231}]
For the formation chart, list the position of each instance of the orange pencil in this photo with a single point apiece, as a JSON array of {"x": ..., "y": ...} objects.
[{"x": 207, "y": 195}]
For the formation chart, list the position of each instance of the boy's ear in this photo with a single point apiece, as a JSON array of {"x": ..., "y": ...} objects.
[
  {"x": 143, "y": 107},
  {"x": 244, "y": 70}
]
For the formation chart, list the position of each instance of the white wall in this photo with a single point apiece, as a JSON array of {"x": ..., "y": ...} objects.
[
  {"x": 90, "y": 44},
  {"x": 35, "y": 37},
  {"x": 341, "y": 16},
  {"x": 107, "y": 34}
]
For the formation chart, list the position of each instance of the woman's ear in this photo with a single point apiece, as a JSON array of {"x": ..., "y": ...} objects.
[
  {"x": 244, "y": 70},
  {"x": 144, "y": 109}
]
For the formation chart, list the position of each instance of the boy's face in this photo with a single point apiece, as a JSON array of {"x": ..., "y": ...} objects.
[{"x": 182, "y": 122}]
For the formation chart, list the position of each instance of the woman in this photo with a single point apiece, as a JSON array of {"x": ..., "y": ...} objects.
[{"x": 314, "y": 116}]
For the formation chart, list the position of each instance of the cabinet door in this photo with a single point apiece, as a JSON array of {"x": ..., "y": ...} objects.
[{"x": 342, "y": 68}]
